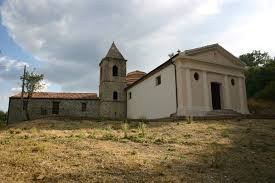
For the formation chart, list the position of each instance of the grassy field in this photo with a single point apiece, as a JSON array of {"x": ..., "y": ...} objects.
[{"x": 90, "y": 151}]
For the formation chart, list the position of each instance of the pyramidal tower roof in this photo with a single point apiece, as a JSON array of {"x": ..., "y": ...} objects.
[{"x": 114, "y": 52}]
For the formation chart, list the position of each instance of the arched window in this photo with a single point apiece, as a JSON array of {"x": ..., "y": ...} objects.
[
  {"x": 115, "y": 95},
  {"x": 115, "y": 71}
]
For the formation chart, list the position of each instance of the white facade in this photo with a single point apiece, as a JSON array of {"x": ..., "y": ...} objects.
[
  {"x": 208, "y": 78},
  {"x": 149, "y": 100}
]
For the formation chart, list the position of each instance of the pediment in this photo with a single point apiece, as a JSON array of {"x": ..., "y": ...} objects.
[{"x": 215, "y": 54}]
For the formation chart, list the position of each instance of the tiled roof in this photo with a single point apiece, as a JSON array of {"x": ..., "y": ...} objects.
[
  {"x": 54, "y": 95},
  {"x": 134, "y": 76},
  {"x": 165, "y": 64},
  {"x": 114, "y": 52}
]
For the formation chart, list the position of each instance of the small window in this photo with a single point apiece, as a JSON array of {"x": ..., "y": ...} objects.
[
  {"x": 25, "y": 105},
  {"x": 232, "y": 82},
  {"x": 158, "y": 80},
  {"x": 130, "y": 95},
  {"x": 196, "y": 76},
  {"x": 115, "y": 71},
  {"x": 115, "y": 95},
  {"x": 83, "y": 107},
  {"x": 55, "y": 109}
]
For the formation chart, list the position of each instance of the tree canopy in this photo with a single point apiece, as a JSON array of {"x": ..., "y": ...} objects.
[
  {"x": 33, "y": 82},
  {"x": 260, "y": 75},
  {"x": 256, "y": 58}
]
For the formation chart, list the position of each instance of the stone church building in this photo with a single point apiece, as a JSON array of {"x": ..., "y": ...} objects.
[{"x": 198, "y": 82}]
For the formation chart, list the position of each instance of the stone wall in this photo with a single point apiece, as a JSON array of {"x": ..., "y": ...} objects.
[
  {"x": 110, "y": 108},
  {"x": 40, "y": 108},
  {"x": 113, "y": 110}
]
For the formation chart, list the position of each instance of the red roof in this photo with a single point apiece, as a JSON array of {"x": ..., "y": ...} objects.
[
  {"x": 54, "y": 95},
  {"x": 134, "y": 76}
]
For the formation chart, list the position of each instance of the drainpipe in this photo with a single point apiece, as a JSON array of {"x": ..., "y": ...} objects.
[{"x": 176, "y": 85}]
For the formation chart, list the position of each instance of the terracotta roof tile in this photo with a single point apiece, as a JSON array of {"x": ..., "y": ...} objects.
[
  {"x": 55, "y": 95},
  {"x": 134, "y": 76}
]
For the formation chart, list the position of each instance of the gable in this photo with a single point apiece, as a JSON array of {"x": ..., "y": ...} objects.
[{"x": 216, "y": 55}]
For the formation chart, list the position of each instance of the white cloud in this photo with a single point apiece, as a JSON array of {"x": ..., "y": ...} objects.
[
  {"x": 7, "y": 64},
  {"x": 10, "y": 69},
  {"x": 71, "y": 37},
  {"x": 16, "y": 90},
  {"x": 252, "y": 32}
]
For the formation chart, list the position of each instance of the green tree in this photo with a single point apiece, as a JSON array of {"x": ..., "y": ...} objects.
[
  {"x": 260, "y": 72},
  {"x": 268, "y": 93},
  {"x": 33, "y": 83},
  {"x": 256, "y": 58},
  {"x": 3, "y": 116}
]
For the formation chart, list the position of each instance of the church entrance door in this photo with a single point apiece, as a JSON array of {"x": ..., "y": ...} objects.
[{"x": 216, "y": 95}]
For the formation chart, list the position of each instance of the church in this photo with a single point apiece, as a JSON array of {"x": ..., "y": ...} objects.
[{"x": 204, "y": 81}]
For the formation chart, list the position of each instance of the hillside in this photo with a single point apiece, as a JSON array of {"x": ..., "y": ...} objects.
[{"x": 90, "y": 151}]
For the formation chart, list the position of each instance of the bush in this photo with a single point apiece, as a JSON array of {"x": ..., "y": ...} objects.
[
  {"x": 268, "y": 92},
  {"x": 125, "y": 128},
  {"x": 142, "y": 129},
  {"x": 189, "y": 119},
  {"x": 3, "y": 116}
]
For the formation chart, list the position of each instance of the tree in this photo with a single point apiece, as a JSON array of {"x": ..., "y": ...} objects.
[
  {"x": 268, "y": 92},
  {"x": 3, "y": 116},
  {"x": 259, "y": 75},
  {"x": 33, "y": 83},
  {"x": 256, "y": 58}
]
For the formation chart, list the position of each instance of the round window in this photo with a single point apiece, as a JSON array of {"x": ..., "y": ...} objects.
[
  {"x": 232, "y": 82},
  {"x": 196, "y": 76}
]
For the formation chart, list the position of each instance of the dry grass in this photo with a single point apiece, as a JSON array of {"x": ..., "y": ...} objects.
[{"x": 89, "y": 151}]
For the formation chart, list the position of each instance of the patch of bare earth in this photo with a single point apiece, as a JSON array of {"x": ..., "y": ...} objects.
[{"x": 89, "y": 151}]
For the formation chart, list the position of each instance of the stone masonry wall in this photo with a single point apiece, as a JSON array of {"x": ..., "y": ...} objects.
[
  {"x": 39, "y": 108},
  {"x": 109, "y": 108}
]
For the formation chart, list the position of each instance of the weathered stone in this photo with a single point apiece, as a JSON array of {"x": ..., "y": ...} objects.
[{"x": 39, "y": 108}]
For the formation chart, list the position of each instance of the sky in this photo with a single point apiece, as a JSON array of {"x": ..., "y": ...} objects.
[{"x": 66, "y": 39}]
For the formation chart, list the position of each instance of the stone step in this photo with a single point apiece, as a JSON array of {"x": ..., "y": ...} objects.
[{"x": 224, "y": 112}]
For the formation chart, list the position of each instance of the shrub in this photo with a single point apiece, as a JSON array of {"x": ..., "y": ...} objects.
[
  {"x": 2, "y": 124},
  {"x": 3, "y": 118},
  {"x": 109, "y": 136},
  {"x": 125, "y": 128},
  {"x": 92, "y": 135},
  {"x": 268, "y": 92},
  {"x": 189, "y": 119},
  {"x": 142, "y": 129}
]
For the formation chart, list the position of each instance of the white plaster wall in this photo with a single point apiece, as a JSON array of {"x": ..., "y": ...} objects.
[
  {"x": 234, "y": 93},
  {"x": 150, "y": 101},
  {"x": 197, "y": 91},
  {"x": 200, "y": 93}
]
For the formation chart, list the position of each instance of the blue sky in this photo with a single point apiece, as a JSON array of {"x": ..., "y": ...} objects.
[{"x": 66, "y": 39}]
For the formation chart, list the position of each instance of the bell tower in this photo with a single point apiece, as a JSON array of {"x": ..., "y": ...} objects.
[{"x": 112, "y": 85}]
